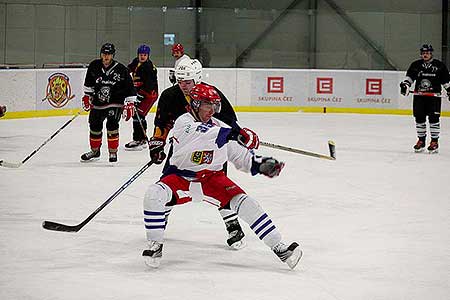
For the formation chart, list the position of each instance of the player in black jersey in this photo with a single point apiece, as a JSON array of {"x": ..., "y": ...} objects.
[
  {"x": 145, "y": 80},
  {"x": 2, "y": 110},
  {"x": 108, "y": 94},
  {"x": 173, "y": 102},
  {"x": 430, "y": 75}
]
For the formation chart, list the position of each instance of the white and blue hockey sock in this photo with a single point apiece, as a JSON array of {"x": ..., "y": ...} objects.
[
  {"x": 252, "y": 213},
  {"x": 155, "y": 211}
]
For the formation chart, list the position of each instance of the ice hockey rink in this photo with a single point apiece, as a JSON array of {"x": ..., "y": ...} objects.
[{"x": 374, "y": 224}]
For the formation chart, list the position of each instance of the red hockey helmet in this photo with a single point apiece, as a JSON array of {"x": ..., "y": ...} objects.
[
  {"x": 203, "y": 93},
  {"x": 178, "y": 47}
]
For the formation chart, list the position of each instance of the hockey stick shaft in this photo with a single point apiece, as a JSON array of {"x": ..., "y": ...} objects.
[
  {"x": 429, "y": 94},
  {"x": 16, "y": 165},
  {"x": 49, "y": 225},
  {"x": 331, "y": 147}
]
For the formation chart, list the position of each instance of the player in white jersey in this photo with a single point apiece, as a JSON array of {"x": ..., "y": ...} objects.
[
  {"x": 201, "y": 145},
  {"x": 179, "y": 55}
]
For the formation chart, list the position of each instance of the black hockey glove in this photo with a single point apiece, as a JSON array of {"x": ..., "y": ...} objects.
[
  {"x": 447, "y": 89},
  {"x": 156, "y": 148},
  {"x": 172, "y": 77},
  {"x": 266, "y": 165},
  {"x": 404, "y": 88}
]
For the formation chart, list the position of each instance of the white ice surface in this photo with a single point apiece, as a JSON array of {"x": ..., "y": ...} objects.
[{"x": 374, "y": 224}]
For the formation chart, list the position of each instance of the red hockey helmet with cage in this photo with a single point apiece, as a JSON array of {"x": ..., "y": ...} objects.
[
  {"x": 178, "y": 47},
  {"x": 203, "y": 93}
]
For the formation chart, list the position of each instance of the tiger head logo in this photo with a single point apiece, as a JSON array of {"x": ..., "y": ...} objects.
[{"x": 58, "y": 91}]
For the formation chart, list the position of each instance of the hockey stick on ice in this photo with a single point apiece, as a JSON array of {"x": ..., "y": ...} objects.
[
  {"x": 49, "y": 225},
  {"x": 17, "y": 165},
  {"x": 331, "y": 147}
]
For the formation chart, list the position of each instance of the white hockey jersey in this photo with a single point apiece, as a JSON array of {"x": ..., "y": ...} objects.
[
  {"x": 201, "y": 146},
  {"x": 183, "y": 57}
]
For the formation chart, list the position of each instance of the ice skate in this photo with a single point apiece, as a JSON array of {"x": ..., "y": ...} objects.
[
  {"x": 419, "y": 146},
  {"x": 136, "y": 145},
  {"x": 113, "y": 157},
  {"x": 433, "y": 147},
  {"x": 153, "y": 255},
  {"x": 90, "y": 156},
  {"x": 235, "y": 235},
  {"x": 288, "y": 254}
]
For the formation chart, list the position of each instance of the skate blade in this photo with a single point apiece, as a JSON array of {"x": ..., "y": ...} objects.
[
  {"x": 91, "y": 160},
  {"x": 152, "y": 262},
  {"x": 238, "y": 245},
  {"x": 134, "y": 149},
  {"x": 419, "y": 150},
  {"x": 293, "y": 260},
  {"x": 433, "y": 151}
]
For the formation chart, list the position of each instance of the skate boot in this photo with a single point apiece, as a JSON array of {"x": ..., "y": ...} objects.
[
  {"x": 235, "y": 235},
  {"x": 419, "y": 146},
  {"x": 90, "y": 156},
  {"x": 153, "y": 255},
  {"x": 433, "y": 148},
  {"x": 112, "y": 157},
  {"x": 136, "y": 145},
  {"x": 288, "y": 254}
]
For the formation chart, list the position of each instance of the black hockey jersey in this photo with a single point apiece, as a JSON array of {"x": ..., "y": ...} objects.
[
  {"x": 108, "y": 86},
  {"x": 172, "y": 104},
  {"x": 144, "y": 75},
  {"x": 429, "y": 76}
]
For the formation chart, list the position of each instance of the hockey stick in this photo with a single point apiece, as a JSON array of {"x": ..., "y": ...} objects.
[
  {"x": 17, "y": 165},
  {"x": 429, "y": 94},
  {"x": 331, "y": 147},
  {"x": 49, "y": 225}
]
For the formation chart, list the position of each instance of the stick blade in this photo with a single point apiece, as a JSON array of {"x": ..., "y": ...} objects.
[
  {"x": 49, "y": 225},
  {"x": 9, "y": 165},
  {"x": 332, "y": 147}
]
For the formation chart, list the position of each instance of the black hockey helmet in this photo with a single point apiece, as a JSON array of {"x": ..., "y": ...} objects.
[
  {"x": 426, "y": 47},
  {"x": 108, "y": 48}
]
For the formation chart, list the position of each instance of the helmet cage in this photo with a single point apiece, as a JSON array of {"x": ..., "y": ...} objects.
[{"x": 203, "y": 94}]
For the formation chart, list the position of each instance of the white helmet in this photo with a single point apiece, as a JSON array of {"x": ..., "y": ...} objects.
[{"x": 189, "y": 69}]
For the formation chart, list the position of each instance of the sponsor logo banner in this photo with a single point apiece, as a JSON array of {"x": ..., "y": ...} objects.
[{"x": 278, "y": 88}]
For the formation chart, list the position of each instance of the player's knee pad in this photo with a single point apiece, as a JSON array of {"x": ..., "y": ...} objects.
[
  {"x": 112, "y": 125},
  {"x": 433, "y": 118},
  {"x": 246, "y": 207},
  {"x": 157, "y": 196}
]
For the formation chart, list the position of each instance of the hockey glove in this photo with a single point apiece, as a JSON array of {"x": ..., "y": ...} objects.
[
  {"x": 248, "y": 138},
  {"x": 172, "y": 77},
  {"x": 245, "y": 137},
  {"x": 266, "y": 165},
  {"x": 128, "y": 110},
  {"x": 86, "y": 102},
  {"x": 447, "y": 89},
  {"x": 156, "y": 148},
  {"x": 404, "y": 88},
  {"x": 139, "y": 99}
]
